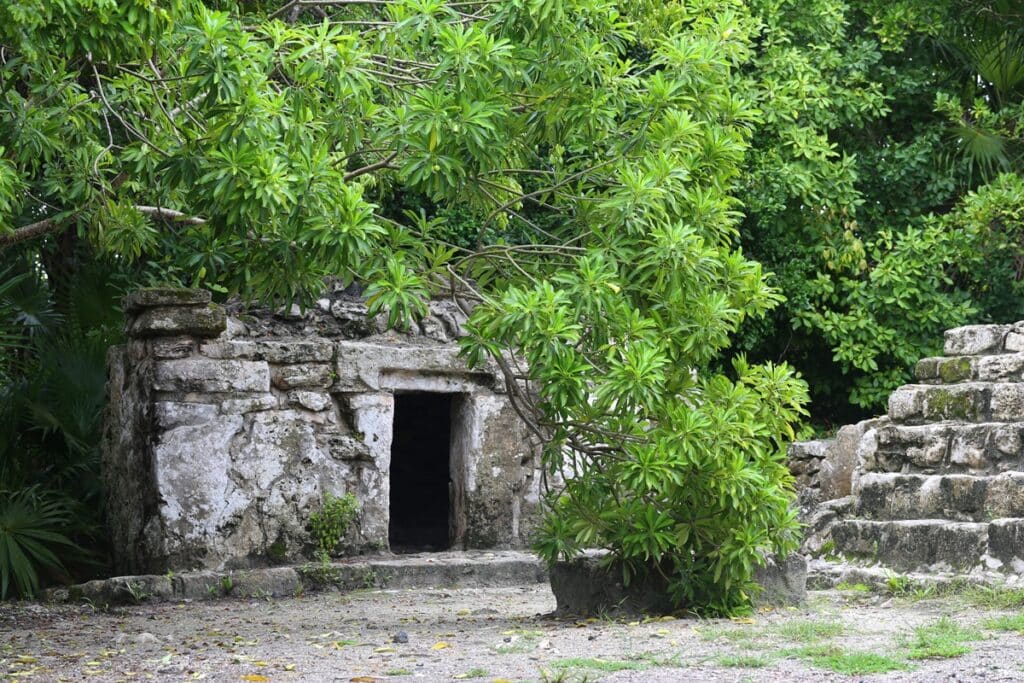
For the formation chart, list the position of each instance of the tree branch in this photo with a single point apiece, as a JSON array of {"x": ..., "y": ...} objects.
[
  {"x": 52, "y": 225},
  {"x": 31, "y": 231},
  {"x": 383, "y": 163}
]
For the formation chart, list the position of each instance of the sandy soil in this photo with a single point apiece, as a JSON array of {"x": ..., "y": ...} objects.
[{"x": 498, "y": 634}]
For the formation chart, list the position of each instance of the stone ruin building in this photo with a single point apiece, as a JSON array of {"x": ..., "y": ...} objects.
[
  {"x": 937, "y": 485},
  {"x": 226, "y": 427}
]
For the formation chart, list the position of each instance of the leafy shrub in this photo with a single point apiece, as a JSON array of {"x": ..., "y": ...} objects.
[{"x": 330, "y": 524}]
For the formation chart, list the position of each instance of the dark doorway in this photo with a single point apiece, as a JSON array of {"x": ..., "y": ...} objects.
[{"x": 421, "y": 473}]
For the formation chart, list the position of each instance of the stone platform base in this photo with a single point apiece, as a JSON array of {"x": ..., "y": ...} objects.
[
  {"x": 826, "y": 575},
  {"x": 471, "y": 569},
  {"x": 583, "y": 587}
]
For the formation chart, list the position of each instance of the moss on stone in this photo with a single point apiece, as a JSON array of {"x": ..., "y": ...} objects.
[
  {"x": 278, "y": 550},
  {"x": 946, "y": 405},
  {"x": 955, "y": 370}
]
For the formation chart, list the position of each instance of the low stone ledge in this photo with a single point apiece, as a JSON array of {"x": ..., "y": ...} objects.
[
  {"x": 583, "y": 586},
  {"x": 831, "y": 575},
  {"x": 151, "y": 297},
  {"x": 473, "y": 569},
  {"x": 166, "y": 321}
]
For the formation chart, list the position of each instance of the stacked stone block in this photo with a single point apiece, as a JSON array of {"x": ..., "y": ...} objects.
[{"x": 940, "y": 483}]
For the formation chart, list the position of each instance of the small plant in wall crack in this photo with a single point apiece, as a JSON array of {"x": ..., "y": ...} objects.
[{"x": 330, "y": 524}]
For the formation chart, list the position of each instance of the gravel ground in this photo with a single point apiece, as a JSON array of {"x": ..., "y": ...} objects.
[{"x": 494, "y": 634}]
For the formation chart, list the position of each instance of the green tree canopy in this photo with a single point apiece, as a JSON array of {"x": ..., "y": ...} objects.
[{"x": 568, "y": 168}]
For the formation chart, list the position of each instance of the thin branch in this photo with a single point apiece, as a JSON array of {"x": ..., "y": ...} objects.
[
  {"x": 383, "y": 163},
  {"x": 170, "y": 214}
]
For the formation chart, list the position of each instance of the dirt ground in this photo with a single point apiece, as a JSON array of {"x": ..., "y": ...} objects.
[{"x": 506, "y": 634}]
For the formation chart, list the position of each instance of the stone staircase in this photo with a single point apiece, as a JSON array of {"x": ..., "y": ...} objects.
[{"x": 939, "y": 483}]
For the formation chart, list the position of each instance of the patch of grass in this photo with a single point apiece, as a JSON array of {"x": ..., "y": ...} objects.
[
  {"x": 475, "y": 672},
  {"x": 398, "y": 672},
  {"x": 810, "y": 631},
  {"x": 859, "y": 663},
  {"x": 1008, "y": 623},
  {"x": 994, "y": 597},
  {"x": 730, "y": 633},
  {"x": 607, "y": 665},
  {"x": 835, "y": 659},
  {"x": 853, "y": 587},
  {"x": 519, "y": 642},
  {"x": 744, "y": 661},
  {"x": 657, "y": 659},
  {"x": 942, "y": 640}
]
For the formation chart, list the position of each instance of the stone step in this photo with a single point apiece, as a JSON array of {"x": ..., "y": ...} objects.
[
  {"x": 933, "y": 544},
  {"x": 943, "y": 448},
  {"x": 957, "y": 497},
  {"x": 978, "y": 339},
  {"x": 965, "y": 402},
  {"x": 451, "y": 569},
  {"x": 1005, "y": 367}
]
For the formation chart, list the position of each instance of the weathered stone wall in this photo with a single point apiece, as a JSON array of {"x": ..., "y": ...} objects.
[
  {"x": 824, "y": 468},
  {"x": 227, "y": 425}
]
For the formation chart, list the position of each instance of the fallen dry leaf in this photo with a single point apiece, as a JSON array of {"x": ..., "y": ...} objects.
[{"x": 440, "y": 646}]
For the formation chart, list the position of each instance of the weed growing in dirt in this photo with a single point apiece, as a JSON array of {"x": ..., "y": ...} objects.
[
  {"x": 398, "y": 672},
  {"x": 475, "y": 672},
  {"x": 859, "y": 663},
  {"x": 744, "y": 661},
  {"x": 852, "y": 663},
  {"x": 853, "y": 587},
  {"x": 519, "y": 642},
  {"x": 1008, "y": 623},
  {"x": 736, "y": 634},
  {"x": 943, "y": 639},
  {"x": 995, "y": 597},
  {"x": 606, "y": 665},
  {"x": 810, "y": 631}
]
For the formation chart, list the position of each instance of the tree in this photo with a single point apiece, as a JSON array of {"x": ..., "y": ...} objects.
[
  {"x": 596, "y": 147},
  {"x": 881, "y": 120}
]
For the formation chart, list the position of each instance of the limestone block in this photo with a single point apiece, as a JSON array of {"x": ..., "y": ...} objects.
[
  {"x": 1006, "y": 542},
  {"x": 310, "y": 400},
  {"x": 249, "y": 404},
  {"x": 1014, "y": 340},
  {"x": 1004, "y": 495},
  {"x": 204, "y": 375},
  {"x": 198, "y": 321},
  {"x": 315, "y": 376},
  {"x": 276, "y": 351},
  {"x": 165, "y": 296},
  {"x": 171, "y": 414},
  {"x": 1007, "y": 366},
  {"x": 197, "y": 496},
  {"x": 909, "y": 545},
  {"x": 1007, "y": 402},
  {"x": 345, "y": 447},
  {"x": 927, "y": 369},
  {"x": 1007, "y": 439},
  {"x": 905, "y": 403},
  {"x": 841, "y": 458},
  {"x": 975, "y": 339},
  {"x": 171, "y": 347},
  {"x": 968, "y": 449},
  {"x": 957, "y": 402},
  {"x": 364, "y": 366}
]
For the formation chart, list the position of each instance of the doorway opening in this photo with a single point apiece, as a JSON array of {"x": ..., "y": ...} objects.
[{"x": 421, "y": 473}]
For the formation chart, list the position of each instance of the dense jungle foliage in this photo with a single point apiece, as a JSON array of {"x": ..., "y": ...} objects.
[{"x": 664, "y": 207}]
